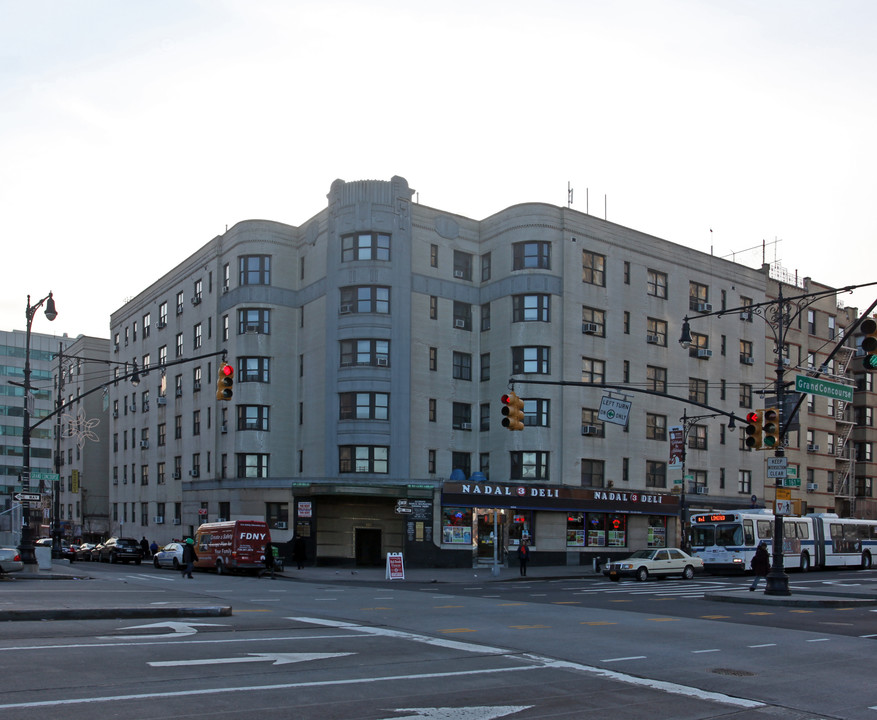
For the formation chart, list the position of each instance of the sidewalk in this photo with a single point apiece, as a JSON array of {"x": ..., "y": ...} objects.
[{"x": 74, "y": 606}]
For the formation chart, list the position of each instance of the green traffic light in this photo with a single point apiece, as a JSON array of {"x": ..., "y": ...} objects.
[{"x": 870, "y": 362}]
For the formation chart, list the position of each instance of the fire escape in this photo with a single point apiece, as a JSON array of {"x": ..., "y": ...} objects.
[{"x": 845, "y": 490}]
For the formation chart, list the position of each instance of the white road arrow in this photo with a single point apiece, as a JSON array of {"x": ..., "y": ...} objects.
[
  {"x": 486, "y": 712},
  {"x": 273, "y": 658},
  {"x": 178, "y": 629}
]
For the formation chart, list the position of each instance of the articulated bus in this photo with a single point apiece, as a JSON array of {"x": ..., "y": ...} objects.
[{"x": 726, "y": 540}]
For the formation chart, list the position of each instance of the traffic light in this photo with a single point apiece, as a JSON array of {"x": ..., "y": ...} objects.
[
  {"x": 225, "y": 382},
  {"x": 513, "y": 412},
  {"x": 868, "y": 328},
  {"x": 771, "y": 427},
  {"x": 754, "y": 429}
]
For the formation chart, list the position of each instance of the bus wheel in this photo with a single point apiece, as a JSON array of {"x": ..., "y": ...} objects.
[
  {"x": 805, "y": 562},
  {"x": 219, "y": 568},
  {"x": 866, "y": 561}
]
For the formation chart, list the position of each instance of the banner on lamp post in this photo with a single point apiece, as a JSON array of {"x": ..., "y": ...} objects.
[{"x": 677, "y": 446}]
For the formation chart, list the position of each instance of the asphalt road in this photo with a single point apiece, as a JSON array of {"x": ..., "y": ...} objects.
[{"x": 559, "y": 649}]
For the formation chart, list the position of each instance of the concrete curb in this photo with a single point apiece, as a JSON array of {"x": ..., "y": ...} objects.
[{"x": 120, "y": 613}]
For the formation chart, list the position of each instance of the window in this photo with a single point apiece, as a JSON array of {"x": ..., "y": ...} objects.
[
  {"x": 252, "y": 465},
  {"x": 536, "y": 412},
  {"x": 180, "y": 300},
  {"x": 433, "y": 255},
  {"x": 254, "y": 320},
  {"x": 657, "y": 284},
  {"x": 144, "y": 474},
  {"x": 699, "y": 347},
  {"x": 198, "y": 291},
  {"x": 593, "y": 371},
  {"x": 656, "y": 426},
  {"x": 745, "y": 395},
  {"x": 365, "y": 299},
  {"x": 593, "y": 321},
  {"x": 593, "y": 472},
  {"x": 593, "y": 423},
  {"x": 363, "y": 459},
  {"x": 461, "y": 416},
  {"x": 179, "y": 344},
  {"x": 746, "y": 352},
  {"x": 433, "y": 359},
  {"x": 484, "y": 419},
  {"x": 365, "y": 352},
  {"x": 253, "y": 417},
  {"x": 276, "y": 514},
  {"x": 196, "y": 422},
  {"x": 430, "y": 462},
  {"x": 462, "y": 366},
  {"x": 656, "y": 331},
  {"x": 462, "y": 265},
  {"x": 253, "y": 369},
  {"x": 162, "y": 315},
  {"x": 744, "y": 481},
  {"x": 627, "y": 272},
  {"x": 656, "y": 474},
  {"x": 462, "y": 461},
  {"x": 485, "y": 367},
  {"x": 531, "y": 255},
  {"x": 255, "y": 270},
  {"x": 462, "y": 316},
  {"x": 178, "y": 427},
  {"x": 485, "y": 317},
  {"x": 697, "y": 435},
  {"x": 431, "y": 410},
  {"x": 593, "y": 268},
  {"x": 529, "y": 465},
  {"x": 146, "y": 325},
  {"x": 531, "y": 360},
  {"x": 196, "y": 379},
  {"x": 365, "y": 246},
  {"x": 485, "y": 267},
  {"x": 811, "y": 322},
  {"x": 698, "y": 297},
  {"x": 364, "y": 406},
  {"x": 433, "y": 307},
  {"x": 656, "y": 379},
  {"x": 162, "y": 434},
  {"x": 531, "y": 308},
  {"x": 746, "y": 302},
  {"x": 160, "y": 473},
  {"x": 697, "y": 390},
  {"x": 196, "y": 336}
]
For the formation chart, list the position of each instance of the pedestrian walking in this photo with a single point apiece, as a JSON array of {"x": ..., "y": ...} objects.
[
  {"x": 760, "y": 564},
  {"x": 299, "y": 551},
  {"x": 271, "y": 550},
  {"x": 524, "y": 555},
  {"x": 144, "y": 546},
  {"x": 153, "y": 548},
  {"x": 189, "y": 558}
]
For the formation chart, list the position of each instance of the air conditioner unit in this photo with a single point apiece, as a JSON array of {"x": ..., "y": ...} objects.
[
  {"x": 177, "y": 521},
  {"x": 144, "y": 444},
  {"x": 176, "y": 476},
  {"x": 589, "y": 430},
  {"x": 653, "y": 339},
  {"x": 747, "y": 359},
  {"x": 346, "y": 308},
  {"x": 704, "y": 307},
  {"x": 196, "y": 300},
  {"x": 196, "y": 386},
  {"x": 701, "y": 490},
  {"x": 161, "y": 401},
  {"x": 745, "y": 315},
  {"x": 459, "y": 323},
  {"x": 704, "y": 353},
  {"x": 133, "y": 407},
  {"x": 465, "y": 426},
  {"x": 383, "y": 361},
  {"x": 589, "y": 328},
  {"x": 813, "y": 448},
  {"x": 116, "y": 347},
  {"x": 194, "y": 473},
  {"x": 458, "y": 273},
  {"x": 280, "y": 525},
  {"x": 223, "y": 429},
  {"x": 179, "y": 392},
  {"x": 162, "y": 325},
  {"x": 145, "y": 407},
  {"x": 115, "y": 414},
  {"x": 812, "y": 487},
  {"x": 158, "y": 519},
  {"x": 224, "y": 289}
]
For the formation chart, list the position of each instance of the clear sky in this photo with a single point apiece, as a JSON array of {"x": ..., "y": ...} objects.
[{"x": 134, "y": 131}]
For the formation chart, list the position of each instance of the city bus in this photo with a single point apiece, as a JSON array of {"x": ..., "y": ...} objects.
[{"x": 726, "y": 540}]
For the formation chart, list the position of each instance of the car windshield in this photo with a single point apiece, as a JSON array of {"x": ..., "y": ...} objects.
[{"x": 643, "y": 554}]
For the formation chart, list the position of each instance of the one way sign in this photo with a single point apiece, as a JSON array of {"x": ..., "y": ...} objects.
[{"x": 26, "y": 497}]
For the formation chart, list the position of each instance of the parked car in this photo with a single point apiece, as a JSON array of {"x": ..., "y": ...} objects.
[
  {"x": 83, "y": 552},
  {"x": 121, "y": 550},
  {"x": 10, "y": 560},
  {"x": 68, "y": 551},
  {"x": 95, "y": 552},
  {"x": 659, "y": 562},
  {"x": 171, "y": 555}
]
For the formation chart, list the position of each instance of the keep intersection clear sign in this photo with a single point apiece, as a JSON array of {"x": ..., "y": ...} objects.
[{"x": 613, "y": 410}]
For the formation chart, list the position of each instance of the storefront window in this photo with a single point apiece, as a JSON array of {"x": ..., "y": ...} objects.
[
  {"x": 617, "y": 527},
  {"x": 457, "y": 525},
  {"x": 521, "y": 527},
  {"x": 575, "y": 530},
  {"x": 606, "y": 530},
  {"x": 657, "y": 533}
]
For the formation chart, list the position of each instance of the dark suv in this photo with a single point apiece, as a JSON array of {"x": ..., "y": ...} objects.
[{"x": 121, "y": 549}]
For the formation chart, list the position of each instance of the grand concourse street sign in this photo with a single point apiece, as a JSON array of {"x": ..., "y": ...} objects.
[{"x": 815, "y": 386}]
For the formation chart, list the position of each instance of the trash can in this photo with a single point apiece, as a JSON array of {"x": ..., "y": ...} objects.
[{"x": 44, "y": 557}]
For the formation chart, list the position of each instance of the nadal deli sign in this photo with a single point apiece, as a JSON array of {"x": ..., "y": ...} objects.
[{"x": 548, "y": 497}]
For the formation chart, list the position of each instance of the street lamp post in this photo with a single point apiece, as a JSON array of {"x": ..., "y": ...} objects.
[{"x": 26, "y": 547}]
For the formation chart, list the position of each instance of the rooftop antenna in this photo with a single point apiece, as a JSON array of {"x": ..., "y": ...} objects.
[{"x": 568, "y": 194}]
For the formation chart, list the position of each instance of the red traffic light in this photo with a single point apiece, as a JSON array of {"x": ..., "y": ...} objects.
[
  {"x": 752, "y": 417},
  {"x": 226, "y": 370},
  {"x": 224, "y": 382},
  {"x": 513, "y": 411}
]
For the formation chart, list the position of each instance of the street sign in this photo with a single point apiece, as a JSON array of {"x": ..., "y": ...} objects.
[
  {"x": 776, "y": 472},
  {"x": 614, "y": 411},
  {"x": 776, "y": 467},
  {"x": 791, "y": 482},
  {"x": 47, "y": 476},
  {"x": 27, "y": 497},
  {"x": 816, "y": 386}
]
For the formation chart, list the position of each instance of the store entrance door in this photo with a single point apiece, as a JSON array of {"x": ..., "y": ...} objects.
[
  {"x": 368, "y": 547},
  {"x": 487, "y": 537}
]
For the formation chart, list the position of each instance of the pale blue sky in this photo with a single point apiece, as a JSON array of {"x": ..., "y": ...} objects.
[{"x": 134, "y": 131}]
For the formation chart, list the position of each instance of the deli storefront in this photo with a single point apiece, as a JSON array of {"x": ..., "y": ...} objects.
[{"x": 564, "y": 525}]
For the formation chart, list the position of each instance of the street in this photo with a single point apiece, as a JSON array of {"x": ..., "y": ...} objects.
[{"x": 520, "y": 649}]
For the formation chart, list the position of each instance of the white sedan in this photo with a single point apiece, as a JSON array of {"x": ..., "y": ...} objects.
[
  {"x": 10, "y": 560},
  {"x": 171, "y": 555},
  {"x": 659, "y": 562}
]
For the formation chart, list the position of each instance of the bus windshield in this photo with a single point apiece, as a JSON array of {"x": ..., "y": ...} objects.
[{"x": 723, "y": 535}]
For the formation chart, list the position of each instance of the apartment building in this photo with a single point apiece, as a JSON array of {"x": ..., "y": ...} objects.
[{"x": 371, "y": 346}]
